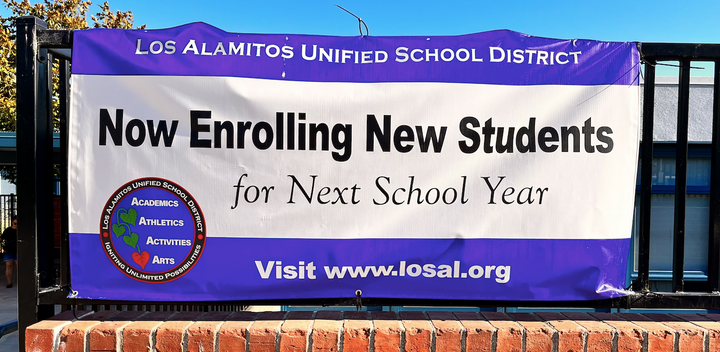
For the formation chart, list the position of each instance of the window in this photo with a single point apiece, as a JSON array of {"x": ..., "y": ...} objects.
[{"x": 662, "y": 215}]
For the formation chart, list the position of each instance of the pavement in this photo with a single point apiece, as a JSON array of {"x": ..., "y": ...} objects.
[{"x": 8, "y": 311}]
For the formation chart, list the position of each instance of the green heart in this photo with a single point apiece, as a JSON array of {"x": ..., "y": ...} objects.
[
  {"x": 118, "y": 230},
  {"x": 131, "y": 240},
  {"x": 129, "y": 217}
]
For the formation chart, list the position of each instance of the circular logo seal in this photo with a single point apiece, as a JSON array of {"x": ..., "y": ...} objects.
[{"x": 152, "y": 230}]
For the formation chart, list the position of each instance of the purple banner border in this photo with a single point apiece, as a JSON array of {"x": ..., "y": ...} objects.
[
  {"x": 529, "y": 61},
  {"x": 540, "y": 270}
]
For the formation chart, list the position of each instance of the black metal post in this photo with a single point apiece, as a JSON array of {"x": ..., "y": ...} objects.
[
  {"x": 642, "y": 284},
  {"x": 44, "y": 179},
  {"x": 714, "y": 229},
  {"x": 681, "y": 177},
  {"x": 27, "y": 117},
  {"x": 64, "y": 93}
]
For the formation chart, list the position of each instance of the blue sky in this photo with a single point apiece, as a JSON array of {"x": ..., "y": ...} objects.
[{"x": 609, "y": 20}]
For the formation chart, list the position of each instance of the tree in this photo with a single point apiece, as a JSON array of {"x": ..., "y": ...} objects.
[{"x": 58, "y": 14}]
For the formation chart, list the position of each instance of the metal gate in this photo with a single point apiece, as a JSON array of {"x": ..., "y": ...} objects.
[{"x": 40, "y": 288}]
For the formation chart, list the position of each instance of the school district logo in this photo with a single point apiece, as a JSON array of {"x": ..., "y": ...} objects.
[{"x": 152, "y": 230}]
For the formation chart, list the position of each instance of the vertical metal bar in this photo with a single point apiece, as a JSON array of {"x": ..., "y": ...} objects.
[
  {"x": 64, "y": 93},
  {"x": 714, "y": 235},
  {"x": 27, "y": 116},
  {"x": 6, "y": 212},
  {"x": 13, "y": 205},
  {"x": 642, "y": 283},
  {"x": 681, "y": 177},
  {"x": 44, "y": 179}
]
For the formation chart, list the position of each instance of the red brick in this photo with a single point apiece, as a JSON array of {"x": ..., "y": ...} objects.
[
  {"x": 72, "y": 337},
  {"x": 169, "y": 336},
  {"x": 571, "y": 336},
  {"x": 630, "y": 337},
  {"x": 712, "y": 326},
  {"x": 418, "y": 331},
  {"x": 201, "y": 334},
  {"x": 356, "y": 331},
  {"x": 326, "y": 331},
  {"x": 538, "y": 335},
  {"x": 690, "y": 337},
  {"x": 659, "y": 336},
  {"x": 509, "y": 332},
  {"x": 40, "y": 337},
  {"x": 448, "y": 331},
  {"x": 106, "y": 335},
  {"x": 388, "y": 331},
  {"x": 137, "y": 335},
  {"x": 44, "y": 334},
  {"x": 599, "y": 335},
  {"x": 263, "y": 332},
  {"x": 232, "y": 335},
  {"x": 479, "y": 332},
  {"x": 441, "y": 331},
  {"x": 295, "y": 331}
]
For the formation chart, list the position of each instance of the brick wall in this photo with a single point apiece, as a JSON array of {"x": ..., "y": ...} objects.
[{"x": 373, "y": 331}]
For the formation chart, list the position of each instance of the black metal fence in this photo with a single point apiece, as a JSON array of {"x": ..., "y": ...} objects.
[
  {"x": 40, "y": 289},
  {"x": 8, "y": 209}
]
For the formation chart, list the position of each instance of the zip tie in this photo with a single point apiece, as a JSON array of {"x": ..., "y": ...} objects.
[{"x": 358, "y": 302}]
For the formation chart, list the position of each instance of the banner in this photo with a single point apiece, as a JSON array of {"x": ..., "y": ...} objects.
[{"x": 207, "y": 165}]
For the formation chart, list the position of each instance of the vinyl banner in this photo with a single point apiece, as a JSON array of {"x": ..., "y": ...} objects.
[{"x": 207, "y": 165}]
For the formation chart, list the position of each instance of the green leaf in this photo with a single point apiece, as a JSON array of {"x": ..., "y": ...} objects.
[
  {"x": 118, "y": 230},
  {"x": 130, "y": 217},
  {"x": 131, "y": 240}
]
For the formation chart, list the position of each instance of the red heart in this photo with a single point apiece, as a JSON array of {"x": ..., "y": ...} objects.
[{"x": 141, "y": 258}]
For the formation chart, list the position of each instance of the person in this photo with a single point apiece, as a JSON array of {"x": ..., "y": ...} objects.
[{"x": 10, "y": 250}]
